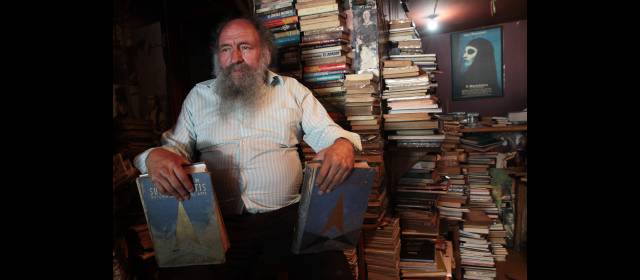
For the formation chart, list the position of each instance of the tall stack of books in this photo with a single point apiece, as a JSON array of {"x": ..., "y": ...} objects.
[
  {"x": 324, "y": 48},
  {"x": 475, "y": 253},
  {"x": 281, "y": 18},
  {"x": 404, "y": 37},
  {"x": 382, "y": 250}
]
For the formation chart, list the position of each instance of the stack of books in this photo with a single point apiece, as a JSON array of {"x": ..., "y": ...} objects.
[
  {"x": 419, "y": 259},
  {"x": 451, "y": 127},
  {"x": 451, "y": 206},
  {"x": 476, "y": 259},
  {"x": 500, "y": 122},
  {"x": 281, "y": 19},
  {"x": 382, "y": 250},
  {"x": 497, "y": 237},
  {"x": 480, "y": 198},
  {"x": 426, "y": 62},
  {"x": 479, "y": 142},
  {"x": 477, "y": 173},
  {"x": 362, "y": 105},
  {"x": 410, "y": 115},
  {"x": 324, "y": 48}
]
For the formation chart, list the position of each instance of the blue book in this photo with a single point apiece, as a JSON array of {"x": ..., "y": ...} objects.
[
  {"x": 189, "y": 232},
  {"x": 332, "y": 221},
  {"x": 324, "y": 78},
  {"x": 286, "y": 41}
]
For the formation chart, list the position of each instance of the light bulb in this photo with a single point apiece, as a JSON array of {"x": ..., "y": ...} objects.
[{"x": 432, "y": 23}]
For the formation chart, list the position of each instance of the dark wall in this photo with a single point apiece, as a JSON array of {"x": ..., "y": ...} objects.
[{"x": 514, "y": 48}]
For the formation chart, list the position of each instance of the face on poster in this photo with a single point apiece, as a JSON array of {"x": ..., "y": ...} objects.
[{"x": 477, "y": 63}]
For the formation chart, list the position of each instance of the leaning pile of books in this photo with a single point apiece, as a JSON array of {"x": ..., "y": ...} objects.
[
  {"x": 382, "y": 250},
  {"x": 500, "y": 122},
  {"x": 281, "y": 19}
]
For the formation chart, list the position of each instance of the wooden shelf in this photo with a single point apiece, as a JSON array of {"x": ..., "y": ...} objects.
[{"x": 495, "y": 129}]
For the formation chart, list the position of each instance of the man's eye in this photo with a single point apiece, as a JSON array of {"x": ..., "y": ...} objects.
[
  {"x": 224, "y": 50},
  {"x": 245, "y": 48}
]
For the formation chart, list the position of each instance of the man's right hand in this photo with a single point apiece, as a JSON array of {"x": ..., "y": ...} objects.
[{"x": 167, "y": 174}]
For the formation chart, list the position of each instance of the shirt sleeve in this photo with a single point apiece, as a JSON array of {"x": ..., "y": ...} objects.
[
  {"x": 180, "y": 140},
  {"x": 320, "y": 130}
]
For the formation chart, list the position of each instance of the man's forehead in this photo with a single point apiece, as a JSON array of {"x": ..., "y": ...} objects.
[{"x": 237, "y": 29}]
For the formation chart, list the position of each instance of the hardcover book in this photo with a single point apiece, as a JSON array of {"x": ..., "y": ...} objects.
[
  {"x": 189, "y": 232},
  {"x": 332, "y": 221}
]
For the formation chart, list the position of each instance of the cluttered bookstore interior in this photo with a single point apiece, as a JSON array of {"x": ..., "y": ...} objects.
[{"x": 436, "y": 90}]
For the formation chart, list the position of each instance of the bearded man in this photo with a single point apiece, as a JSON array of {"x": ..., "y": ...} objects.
[{"x": 245, "y": 125}]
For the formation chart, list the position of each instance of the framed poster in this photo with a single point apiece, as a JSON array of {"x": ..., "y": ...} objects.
[{"x": 476, "y": 63}]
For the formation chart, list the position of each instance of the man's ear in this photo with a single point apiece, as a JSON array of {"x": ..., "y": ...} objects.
[{"x": 268, "y": 55}]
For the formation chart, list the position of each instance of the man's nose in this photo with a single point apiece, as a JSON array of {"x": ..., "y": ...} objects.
[{"x": 236, "y": 57}]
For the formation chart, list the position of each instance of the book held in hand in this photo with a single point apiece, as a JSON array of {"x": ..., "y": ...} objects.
[
  {"x": 189, "y": 232},
  {"x": 332, "y": 221}
]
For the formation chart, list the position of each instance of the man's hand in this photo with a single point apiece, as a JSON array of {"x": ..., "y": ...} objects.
[
  {"x": 166, "y": 172},
  {"x": 337, "y": 163}
]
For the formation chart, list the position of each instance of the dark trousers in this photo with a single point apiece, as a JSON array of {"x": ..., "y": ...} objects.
[{"x": 261, "y": 249}]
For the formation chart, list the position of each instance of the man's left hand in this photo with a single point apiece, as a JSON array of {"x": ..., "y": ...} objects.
[{"x": 337, "y": 163}]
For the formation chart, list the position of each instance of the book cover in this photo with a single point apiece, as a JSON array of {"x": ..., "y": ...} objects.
[
  {"x": 189, "y": 232},
  {"x": 332, "y": 221}
]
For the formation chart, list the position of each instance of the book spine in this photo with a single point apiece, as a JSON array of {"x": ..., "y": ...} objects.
[
  {"x": 325, "y": 78},
  {"x": 325, "y": 73},
  {"x": 319, "y": 46},
  {"x": 322, "y": 55},
  {"x": 274, "y": 7},
  {"x": 287, "y": 41},
  {"x": 286, "y": 27},
  {"x": 318, "y": 10},
  {"x": 280, "y": 21},
  {"x": 286, "y": 34},
  {"x": 278, "y": 15},
  {"x": 326, "y": 67}
]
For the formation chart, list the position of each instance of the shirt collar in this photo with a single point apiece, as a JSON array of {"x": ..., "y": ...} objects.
[{"x": 273, "y": 78}]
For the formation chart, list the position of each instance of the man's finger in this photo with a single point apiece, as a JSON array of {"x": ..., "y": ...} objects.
[
  {"x": 166, "y": 186},
  {"x": 324, "y": 169},
  {"x": 329, "y": 178},
  {"x": 176, "y": 185},
  {"x": 183, "y": 178}
]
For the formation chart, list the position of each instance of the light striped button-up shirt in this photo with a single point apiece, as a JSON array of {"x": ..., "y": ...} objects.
[{"x": 252, "y": 156}]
